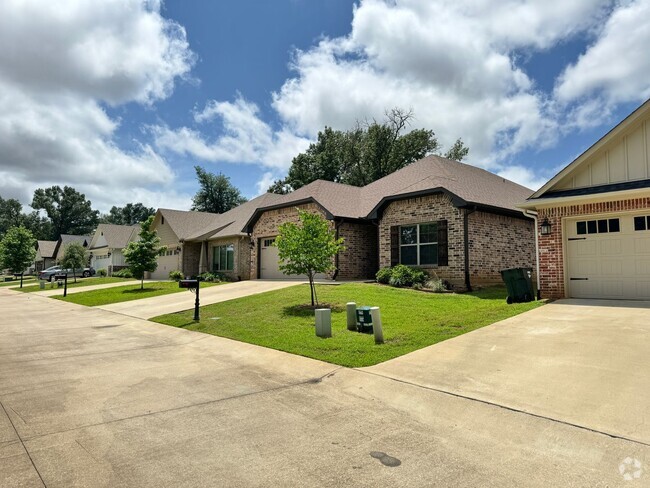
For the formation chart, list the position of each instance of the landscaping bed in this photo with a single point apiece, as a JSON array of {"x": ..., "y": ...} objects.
[
  {"x": 126, "y": 293},
  {"x": 411, "y": 320},
  {"x": 71, "y": 284}
]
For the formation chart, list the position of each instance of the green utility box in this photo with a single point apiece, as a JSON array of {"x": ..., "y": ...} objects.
[
  {"x": 364, "y": 320},
  {"x": 519, "y": 284}
]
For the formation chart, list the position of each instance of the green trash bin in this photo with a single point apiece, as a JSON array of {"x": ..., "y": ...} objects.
[
  {"x": 364, "y": 320},
  {"x": 519, "y": 284}
]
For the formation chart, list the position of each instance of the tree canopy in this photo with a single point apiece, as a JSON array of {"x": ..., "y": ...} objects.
[
  {"x": 307, "y": 248},
  {"x": 68, "y": 210},
  {"x": 129, "y": 214},
  {"x": 141, "y": 255},
  {"x": 364, "y": 154},
  {"x": 17, "y": 249},
  {"x": 11, "y": 215},
  {"x": 216, "y": 194},
  {"x": 75, "y": 257}
]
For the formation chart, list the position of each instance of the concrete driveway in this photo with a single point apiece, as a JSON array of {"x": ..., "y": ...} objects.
[
  {"x": 177, "y": 302},
  {"x": 91, "y": 398},
  {"x": 583, "y": 362}
]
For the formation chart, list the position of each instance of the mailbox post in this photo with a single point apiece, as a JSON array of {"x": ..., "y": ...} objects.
[
  {"x": 64, "y": 277},
  {"x": 193, "y": 286}
]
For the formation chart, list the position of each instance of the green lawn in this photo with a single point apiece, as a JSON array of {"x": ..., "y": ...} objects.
[
  {"x": 16, "y": 282},
  {"x": 71, "y": 284},
  {"x": 126, "y": 293},
  {"x": 411, "y": 320}
]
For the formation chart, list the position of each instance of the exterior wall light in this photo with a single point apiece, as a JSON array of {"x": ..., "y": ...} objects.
[{"x": 545, "y": 228}]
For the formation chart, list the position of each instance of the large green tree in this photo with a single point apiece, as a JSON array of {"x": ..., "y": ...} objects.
[
  {"x": 129, "y": 214},
  {"x": 11, "y": 215},
  {"x": 75, "y": 257},
  {"x": 141, "y": 255},
  {"x": 216, "y": 194},
  {"x": 17, "y": 250},
  {"x": 68, "y": 210},
  {"x": 308, "y": 248},
  {"x": 364, "y": 154}
]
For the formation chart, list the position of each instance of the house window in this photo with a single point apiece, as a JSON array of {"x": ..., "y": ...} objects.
[
  {"x": 419, "y": 244},
  {"x": 642, "y": 222},
  {"x": 269, "y": 242},
  {"x": 601, "y": 226},
  {"x": 223, "y": 258},
  {"x": 162, "y": 220}
]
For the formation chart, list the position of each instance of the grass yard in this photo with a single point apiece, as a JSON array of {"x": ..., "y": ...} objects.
[
  {"x": 126, "y": 293},
  {"x": 16, "y": 282},
  {"x": 411, "y": 320},
  {"x": 71, "y": 284}
]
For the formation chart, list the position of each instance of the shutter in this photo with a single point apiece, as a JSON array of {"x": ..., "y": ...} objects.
[
  {"x": 443, "y": 245},
  {"x": 394, "y": 245}
]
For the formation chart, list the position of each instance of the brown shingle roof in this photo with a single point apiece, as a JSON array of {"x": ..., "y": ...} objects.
[
  {"x": 47, "y": 248},
  {"x": 116, "y": 236},
  {"x": 186, "y": 223}
]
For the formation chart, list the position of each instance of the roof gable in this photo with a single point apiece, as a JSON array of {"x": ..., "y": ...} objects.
[
  {"x": 113, "y": 236},
  {"x": 620, "y": 157}
]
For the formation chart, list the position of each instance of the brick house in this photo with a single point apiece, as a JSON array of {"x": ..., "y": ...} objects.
[
  {"x": 456, "y": 221},
  {"x": 594, "y": 218}
]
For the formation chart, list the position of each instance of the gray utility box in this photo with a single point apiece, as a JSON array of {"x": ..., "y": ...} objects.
[{"x": 364, "y": 320}]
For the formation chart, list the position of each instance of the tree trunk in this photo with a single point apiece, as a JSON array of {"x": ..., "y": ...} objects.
[
  {"x": 311, "y": 287},
  {"x": 74, "y": 274},
  {"x": 21, "y": 279}
]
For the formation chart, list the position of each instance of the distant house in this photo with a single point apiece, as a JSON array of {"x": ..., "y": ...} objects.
[
  {"x": 65, "y": 240},
  {"x": 200, "y": 241},
  {"x": 44, "y": 255},
  {"x": 595, "y": 217},
  {"x": 107, "y": 245}
]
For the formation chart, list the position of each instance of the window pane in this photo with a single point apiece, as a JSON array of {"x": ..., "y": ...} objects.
[
  {"x": 428, "y": 233},
  {"x": 215, "y": 259},
  {"x": 409, "y": 255},
  {"x": 591, "y": 227},
  {"x": 231, "y": 258},
  {"x": 648, "y": 222},
  {"x": 582, "y": 228},
  {"x": 639, "y": 223},
  {"x": 222, "y": 258},
  {"x": 614, "y": 225},
  {"x": 409, "y": 234},
  {"x": 429, "y": 254},
  {"x": 602, "y": 226}
]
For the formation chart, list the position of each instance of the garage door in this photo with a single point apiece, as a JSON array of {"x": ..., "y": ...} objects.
[
  {"x": 270, "y": 263},
  {"x": 609, "y": 257},
  {"x": 165, "y": 265}
]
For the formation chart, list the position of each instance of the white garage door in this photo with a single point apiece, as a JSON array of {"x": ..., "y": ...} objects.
[
  {"x": 269, "y": 263},
  {"x": 609, "y": 257},
  {"x": 165, "y": 265}
]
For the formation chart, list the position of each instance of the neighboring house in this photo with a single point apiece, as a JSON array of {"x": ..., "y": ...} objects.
[
  {"x": 200, "y": 241},
  {"x": 44, "y": 255},
  {"x": 456, "y": 221},
  {"x": 65, "y": 240},
  {"x": 595, "y": 217},
  {"x": 107, "y": 245}
]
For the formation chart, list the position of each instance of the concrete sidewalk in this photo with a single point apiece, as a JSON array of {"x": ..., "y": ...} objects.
[
  {"x": 177, "y": 302},
  {"x": 94, "y": 399}
]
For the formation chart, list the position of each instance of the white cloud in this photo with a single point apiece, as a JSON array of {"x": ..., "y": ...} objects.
[
  {"x": 523, "y": 176},
  {"x": 265, "y": 182},
  {"x": 245, "y": 138},
  {"x": 615, "y": 68},
  {"x": 58, "y": 64}
]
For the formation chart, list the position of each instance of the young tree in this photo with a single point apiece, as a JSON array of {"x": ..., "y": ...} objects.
[
  {"x": 74, "y": 257},
  {"x": 129, "y": 214},
  {"x": 364, "y": 154},
  {"x": 17, "y": 250},
  {"x": 68, "y": 210},
  {"x": 141, "y": 255},
  {"x": 307, "y": 248},
  {"x": 216, "y": 194}
]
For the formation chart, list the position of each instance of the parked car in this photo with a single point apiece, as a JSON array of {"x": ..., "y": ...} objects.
[{"x": 49, "y": 273}]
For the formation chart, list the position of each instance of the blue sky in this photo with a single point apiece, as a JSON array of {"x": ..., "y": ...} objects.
[{"x": 123, "y": 100}]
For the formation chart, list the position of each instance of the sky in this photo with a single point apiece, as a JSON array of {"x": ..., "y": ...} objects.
[{"x": 122, "y": 98}]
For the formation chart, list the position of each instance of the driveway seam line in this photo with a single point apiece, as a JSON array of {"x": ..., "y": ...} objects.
[
  {"x": 309, "y": 381},
  {"x": 22, "y": 444},
  {"x": 511, "y": 409}
]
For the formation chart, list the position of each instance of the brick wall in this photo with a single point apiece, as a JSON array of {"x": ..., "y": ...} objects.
[
  {"x": 551, "y": 247},
  {"x": 191, "y": 255},
  {"x": 499, "y": 242},
  {"x": 428, "y": 208}
]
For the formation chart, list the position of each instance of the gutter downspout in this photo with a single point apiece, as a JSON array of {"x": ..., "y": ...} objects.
[
  {"x": 467, "y": 212},
  {"x": 533, "y": 214},
  {"x": 336, "y": 258}
]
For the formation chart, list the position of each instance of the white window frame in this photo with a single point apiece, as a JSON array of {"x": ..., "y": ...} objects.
[{"x": 417, "y": 244}]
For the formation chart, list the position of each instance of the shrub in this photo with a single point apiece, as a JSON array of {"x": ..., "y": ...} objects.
[
  {"x": 102, "y": 272},
  {"x": 210, "y": 277},
  {"x": 383, "y": 275},
  {"x": 435, "y": 285},
  {"x": 405, "y": 276},
  {"x": 176, "y": 275},
  {"x": 124, "y": 273}
]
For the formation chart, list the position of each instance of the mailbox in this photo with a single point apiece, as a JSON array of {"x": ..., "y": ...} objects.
[
  {"x": 188, "y": 284},
  {"x": 59, "y": 277},
  {"x": 364, "y": 320}
]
